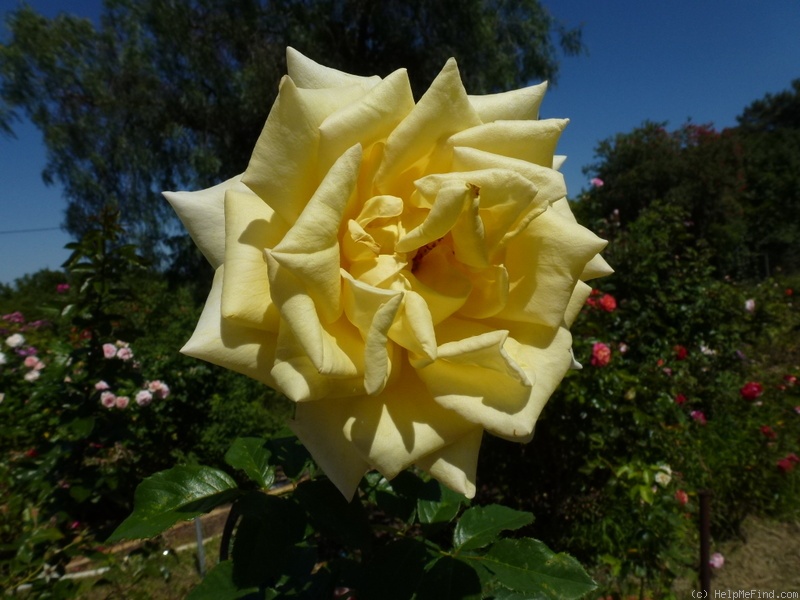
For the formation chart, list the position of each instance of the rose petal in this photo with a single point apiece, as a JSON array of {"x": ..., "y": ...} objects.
[
  {"x": 456, "y": 465},
  {"x": 310, "y": 250},
  {"x": 319, "y": 426},
  {"x": 368, "y": 120},
  {"x": 544, "y": 264},
  {"x": 203, "y": 215},
  {"x": 400, "y": 426},
  {"x": 224, "y": 343},
  {"x": 442, "y": 111},
  {"x": 310, "y": 74},
  {"x": 515, "y": 105},
  {"x": 341, "y": 373},
  {"x": 250, "y": 226},
  {"x": 299, "y": 313},
  {"x": 477, "y": 378},
  {"x": 489, "y": 293},
  {"x": 549, "y": 184},
  {"x": 283, "y": 166},
  {"x": 532, "y": 141}
]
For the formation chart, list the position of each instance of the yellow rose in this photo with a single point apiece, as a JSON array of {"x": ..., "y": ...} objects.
[{"x": 405, "y": 272}]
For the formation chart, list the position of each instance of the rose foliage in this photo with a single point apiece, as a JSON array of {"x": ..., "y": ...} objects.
[{"x": 405, "y": 272}]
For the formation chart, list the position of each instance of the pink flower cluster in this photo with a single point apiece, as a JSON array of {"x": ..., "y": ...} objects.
[
  {"x": 153, "y": 389},
  {"x": 35, "y": 367},
  {"x": 120, "y": 350}
]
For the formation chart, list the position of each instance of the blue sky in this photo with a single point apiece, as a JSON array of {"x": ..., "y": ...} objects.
[{"x": 647, "y": 60}]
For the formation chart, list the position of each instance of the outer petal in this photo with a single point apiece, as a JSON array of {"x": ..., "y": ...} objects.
[
  {"x": 203, "y": 215},
  {"x": 597, "y": 267},
  {"x": 241, "y": 349},
  {"x": 532, "y": 141},
  {"x": 309, "y": 74},
  {"x": 576, "y": 302},
  {"x": 544, "y": 263},
  {"x": 545, "y": 355},
  {"x": 320, "y": 425},
  {"x": 401, "y": 425},
  {"x": 456, "y": 465},
  {"x": 370, "y": 119},
  {"x": 522, "y": 104},
  {"x": 478, "y": 379},
  {"x": 283, "y": 167},
  {"x": 250, "y": 226}
]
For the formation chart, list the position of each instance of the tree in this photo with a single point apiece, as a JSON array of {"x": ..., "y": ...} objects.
[
  {"x": 739, "y": 188},
  {"x": 170, "y": 94}
]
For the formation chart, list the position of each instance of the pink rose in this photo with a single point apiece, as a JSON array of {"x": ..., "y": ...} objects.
[
  {"x": 101, "y": 386},
  {"x": 122, "y": 402},
  {"x": 30, "y": 361},
  {"x": 717, "y": 560},
  {"x": 144, "y": 397},
  {"x": 597, "y": 182},
  {"x": 699, "y": 416},
  {"x": 108, "y": 399},
  {"x": 159, "y": 388},
  {"x": 109, "y": 350},
  {"x": 601, "y": 355},
  {"x": 62, "y": 288},
  {"x": 124, "y": 353}
]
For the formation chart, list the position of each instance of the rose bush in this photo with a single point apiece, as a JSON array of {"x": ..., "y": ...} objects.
[{"x": 405, "y": 272}]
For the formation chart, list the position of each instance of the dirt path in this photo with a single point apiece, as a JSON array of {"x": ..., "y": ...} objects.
[{"x": 768, "y": 560}]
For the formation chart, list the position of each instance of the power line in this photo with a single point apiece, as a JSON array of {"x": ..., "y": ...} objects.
[{"x": 30, "y": 230}]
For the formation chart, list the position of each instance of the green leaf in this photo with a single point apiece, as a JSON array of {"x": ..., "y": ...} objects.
[
  {"x": 396, "y": 570},
  {"x": 251, "y": 456},
  {"x": 398, "y": 497},
  {"x": 479, "y": 526},
  {"x": 437, "y": 503},
  {"x": 527, "y": 565},
  {"x": 290, "y": 454},
  {"x": 265, "y": 536},
  {"x": 218, "y": 585},
  {"x": 180, "y": 493},
  {"x": 78, "y": 429},
  {"x": 449, "y": 579},
  {"x": 347, "y": 522}
]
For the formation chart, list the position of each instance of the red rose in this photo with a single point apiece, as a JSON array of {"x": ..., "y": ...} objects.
[
  {"x": 787, "y": 463},
  {"x": 768, "y": 432},
  {"x": 680, "y": 399},
  {"x": 790, "y": 379},
  {"x": 751, "y": 390},
  {"x": 682, "y": 497},
  {"x": 608, "y": 303},
  {"x": 680, "y": 352}
]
